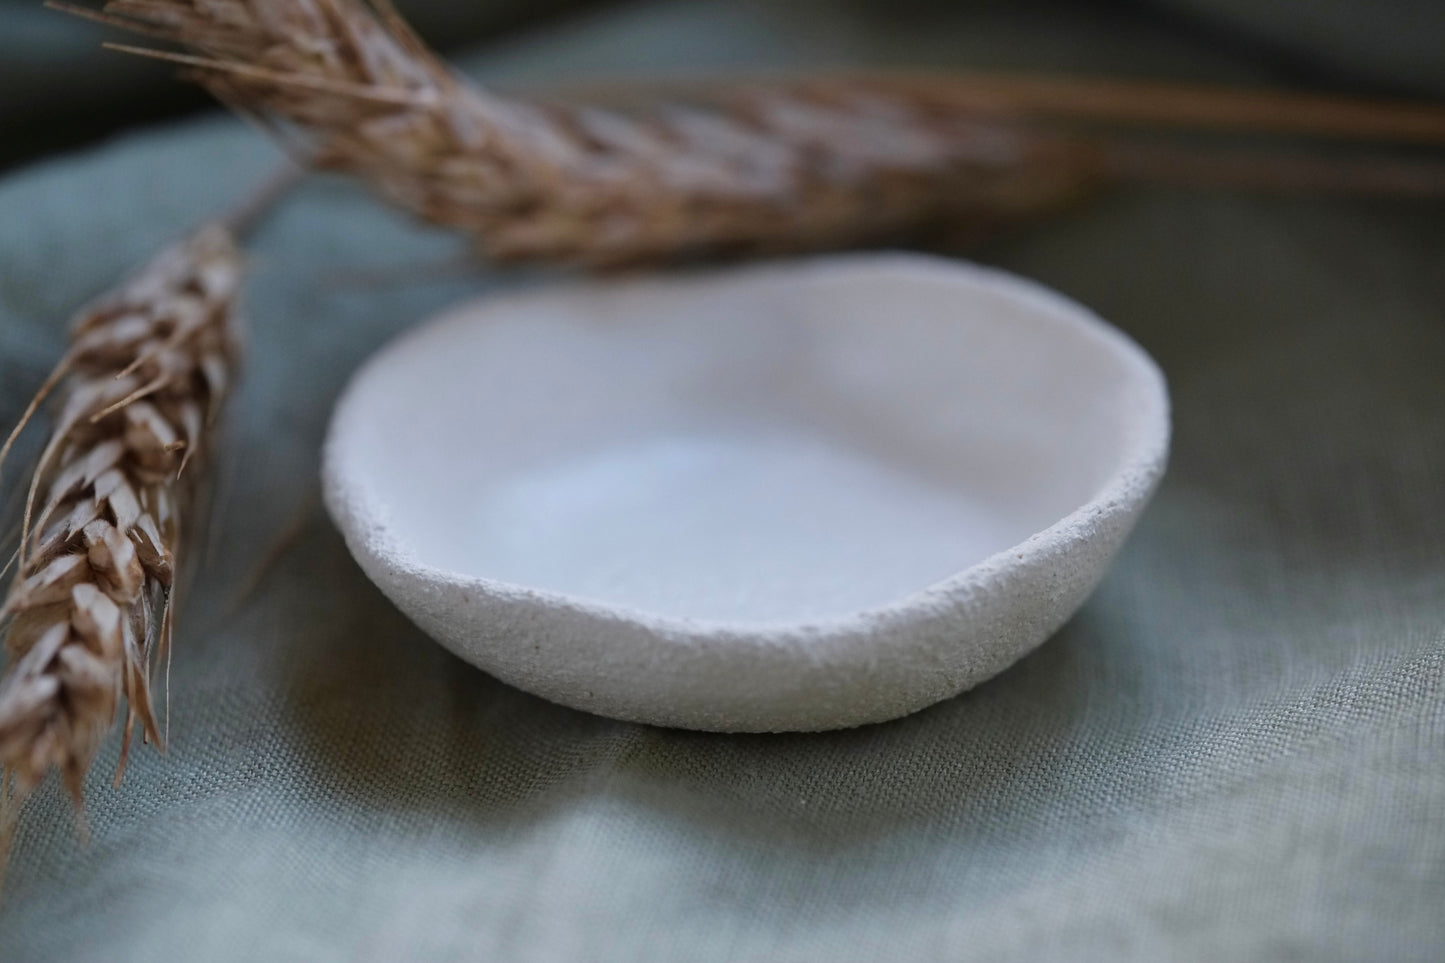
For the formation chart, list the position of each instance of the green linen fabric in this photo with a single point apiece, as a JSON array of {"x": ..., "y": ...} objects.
[{"x": 1235, "y": 752}]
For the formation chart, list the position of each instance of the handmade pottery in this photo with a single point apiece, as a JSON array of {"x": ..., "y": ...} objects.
[{"x": 802, "y": 495}]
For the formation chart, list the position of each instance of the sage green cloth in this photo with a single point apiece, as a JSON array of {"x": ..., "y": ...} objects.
[{"x": 1235, "y": 752}]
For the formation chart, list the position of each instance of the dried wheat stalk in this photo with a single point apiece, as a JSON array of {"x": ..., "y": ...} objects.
[
  {"x": 90, "y": 609},
  {"x": 772, "y": 169},
  {"x": 777, "y": 166}
]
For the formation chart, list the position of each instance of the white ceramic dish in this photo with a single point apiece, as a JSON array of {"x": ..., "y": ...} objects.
[{"x": 796, "y": 496}]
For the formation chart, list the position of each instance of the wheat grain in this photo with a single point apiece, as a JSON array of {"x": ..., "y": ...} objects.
[
  {"x": 91, "y": 606},
  {"x": 806, "y": 166},
  {"x": 818, "y": 163}
]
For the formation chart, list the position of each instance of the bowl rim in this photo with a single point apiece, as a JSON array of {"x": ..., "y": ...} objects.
[{"x": 362, "y": 518}]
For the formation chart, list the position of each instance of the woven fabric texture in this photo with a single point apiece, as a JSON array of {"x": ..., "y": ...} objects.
[{"x": 1235, "y": 752}]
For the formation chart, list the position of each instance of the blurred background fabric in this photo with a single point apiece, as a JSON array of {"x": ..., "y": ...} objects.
[
  {"x": 1393, "y": 45},
  {"x": 57, "y": 90},
  {"x": 1235, "y": 752}
]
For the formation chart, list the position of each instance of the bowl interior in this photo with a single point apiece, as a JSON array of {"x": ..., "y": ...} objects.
[{"x": 761, "y": 446}]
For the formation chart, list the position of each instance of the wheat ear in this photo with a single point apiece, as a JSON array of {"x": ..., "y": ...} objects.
[
  {"x": 772, "y": 169},
  {"x": 91, "y": 606},
  {"x": 758, "y": 167}
]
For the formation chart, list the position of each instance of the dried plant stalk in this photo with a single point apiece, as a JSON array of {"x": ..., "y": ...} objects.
[
  {"x": 91, "y": 606},
  {"x": 777, "y": 166},
  {"x": 772, "y": 169}
]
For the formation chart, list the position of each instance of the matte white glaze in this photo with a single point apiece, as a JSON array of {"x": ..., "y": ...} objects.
[{"x": 793, "y": 496}]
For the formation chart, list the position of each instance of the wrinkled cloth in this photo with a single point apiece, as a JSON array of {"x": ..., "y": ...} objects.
[{"x": 1236, "y": 751}]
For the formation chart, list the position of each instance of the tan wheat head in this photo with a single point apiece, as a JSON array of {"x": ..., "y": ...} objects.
[
  {"x": 90, "y": 610},
  {"x": 774, "y": 166}
]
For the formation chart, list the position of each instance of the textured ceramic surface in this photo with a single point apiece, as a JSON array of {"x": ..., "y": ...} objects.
[{"x": 796, "y": 496}]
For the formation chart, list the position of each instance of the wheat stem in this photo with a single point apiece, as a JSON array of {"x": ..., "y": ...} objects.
[
  {"x": 91, "y": 605},
  {"x": 772, "y": 169},
  {"x": 104, "y": 517}
]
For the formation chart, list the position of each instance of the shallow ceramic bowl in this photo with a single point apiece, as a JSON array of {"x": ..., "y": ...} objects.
[{"x": 797, "y": 496}]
